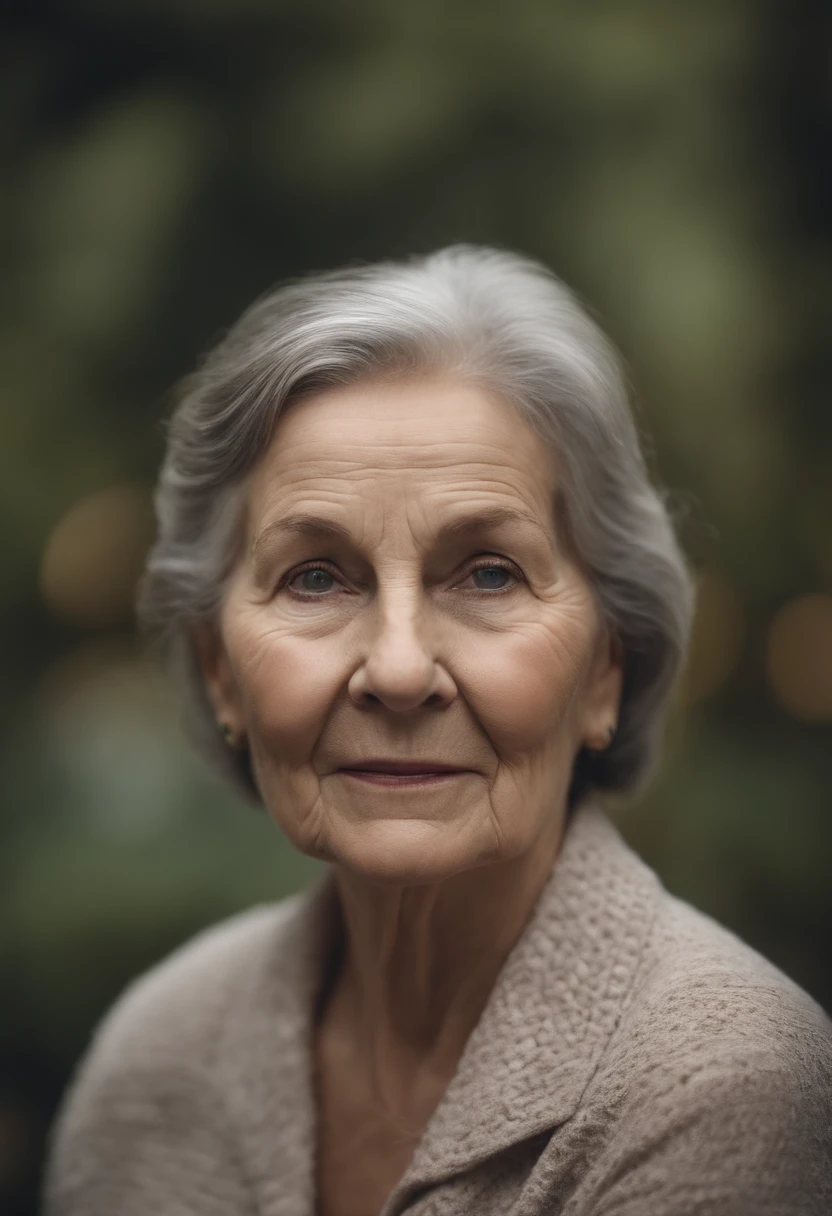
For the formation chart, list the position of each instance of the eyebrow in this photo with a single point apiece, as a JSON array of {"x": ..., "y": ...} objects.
[{"x": 453, "y": 529}]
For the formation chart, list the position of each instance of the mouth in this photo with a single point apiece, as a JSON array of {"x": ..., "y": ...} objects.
[{"x": 401, "y": 774}]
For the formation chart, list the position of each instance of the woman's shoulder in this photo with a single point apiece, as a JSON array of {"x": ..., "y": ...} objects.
[
  {"x": 173, "y": 1014},
  {"x": 701, "y": 981},
  {"x": 705, "y": 1006},
  {"x": 715, "y": 1091},
  {"x": 694, "y": 983},
  {"x": 179, "y": 1005},
  {"x": 153, "y": 1084}
]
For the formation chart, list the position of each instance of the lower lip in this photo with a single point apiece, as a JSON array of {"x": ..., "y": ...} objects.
[{"x": 399, "y": 780}]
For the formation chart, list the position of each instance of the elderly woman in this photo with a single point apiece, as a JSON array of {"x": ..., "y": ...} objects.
[{"x": 427, "y": 607}]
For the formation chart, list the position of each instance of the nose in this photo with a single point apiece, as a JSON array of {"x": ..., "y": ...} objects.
[{"x": 401, "y": 670}]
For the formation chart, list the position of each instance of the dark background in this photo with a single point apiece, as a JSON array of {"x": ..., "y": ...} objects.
[{"x": 163, "y": 162}]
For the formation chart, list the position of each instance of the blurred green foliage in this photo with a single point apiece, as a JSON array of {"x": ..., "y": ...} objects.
[{"x": 164, "y": 163}]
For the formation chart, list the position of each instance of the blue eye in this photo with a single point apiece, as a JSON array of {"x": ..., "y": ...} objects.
[
  {"x": 314, "y": 584},
  {"x": 499, "y": 570}
]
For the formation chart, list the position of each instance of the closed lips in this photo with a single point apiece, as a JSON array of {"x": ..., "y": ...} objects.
[{"x": 401, "y": 768}]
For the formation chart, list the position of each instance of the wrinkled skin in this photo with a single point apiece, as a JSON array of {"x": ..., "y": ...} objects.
[
  {"x": 397, "y": 648},
  {"x": 400, "y": 650}
]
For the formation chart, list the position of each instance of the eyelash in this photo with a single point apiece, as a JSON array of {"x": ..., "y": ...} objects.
[{"x": 501, "y": 564}]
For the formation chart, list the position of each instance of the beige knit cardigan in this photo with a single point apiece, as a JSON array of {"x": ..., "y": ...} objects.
[{"x": 634, "y": 1059}]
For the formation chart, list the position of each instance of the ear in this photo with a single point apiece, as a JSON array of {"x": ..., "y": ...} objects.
[
  {"x": 220, "y": 682},
  {"x": 602, "y": 693}
]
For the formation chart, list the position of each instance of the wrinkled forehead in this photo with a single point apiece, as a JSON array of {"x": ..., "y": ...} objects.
[{"x": 428, "y": 436}]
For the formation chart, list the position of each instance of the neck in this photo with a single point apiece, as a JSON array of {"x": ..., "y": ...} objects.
[{"x": 419, "y": 964}]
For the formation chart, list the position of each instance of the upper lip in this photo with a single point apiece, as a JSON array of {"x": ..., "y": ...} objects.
[{"x": 403, "y": 767}]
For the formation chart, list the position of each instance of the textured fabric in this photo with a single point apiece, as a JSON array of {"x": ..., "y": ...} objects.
[{"x": 634, "y": 1059}]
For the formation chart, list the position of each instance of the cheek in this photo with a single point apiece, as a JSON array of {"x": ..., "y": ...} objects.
[
  {"x": 524, "y": 684},
  {"x": 287, "y": 685}
]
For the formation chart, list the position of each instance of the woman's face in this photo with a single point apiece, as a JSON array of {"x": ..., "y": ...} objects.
[{"x": 415, "y": 629}]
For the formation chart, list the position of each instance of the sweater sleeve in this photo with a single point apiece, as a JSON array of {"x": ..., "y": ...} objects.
[{"x": 727, "y": 1141}]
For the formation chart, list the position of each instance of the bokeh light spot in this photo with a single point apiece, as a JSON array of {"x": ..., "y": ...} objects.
[
  {"x": 93, "y": 559},
  {"x": 719, "y": 629},
  {"x": 799, "y": 657}
]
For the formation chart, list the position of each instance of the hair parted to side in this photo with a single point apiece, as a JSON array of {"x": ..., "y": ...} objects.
[{"x": 485, "y": 316}]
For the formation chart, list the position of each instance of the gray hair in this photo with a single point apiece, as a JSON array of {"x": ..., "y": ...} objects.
[{"x": 485, "y": 316}]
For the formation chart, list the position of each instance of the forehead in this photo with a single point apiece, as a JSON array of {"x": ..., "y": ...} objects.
[{"x": 424, "y": 431}]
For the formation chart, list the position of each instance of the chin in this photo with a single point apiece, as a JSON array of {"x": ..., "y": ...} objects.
[{"x": 407, "y": 851}]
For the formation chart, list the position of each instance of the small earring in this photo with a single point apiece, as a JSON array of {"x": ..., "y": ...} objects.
[{"x": 229, "y": 735}]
